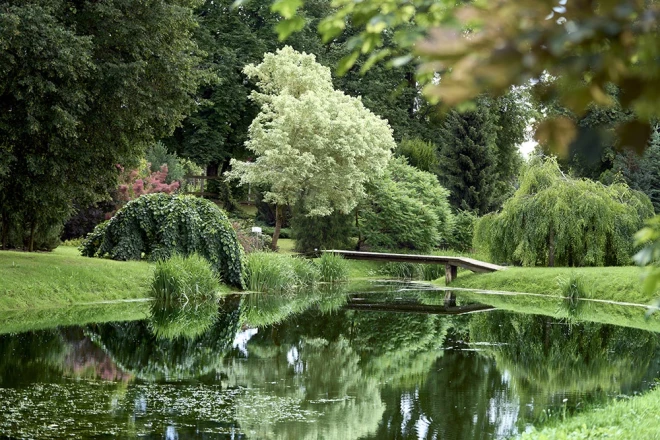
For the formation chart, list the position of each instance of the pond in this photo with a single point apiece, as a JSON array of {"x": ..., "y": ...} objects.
[{"x": 383, "y": 361}]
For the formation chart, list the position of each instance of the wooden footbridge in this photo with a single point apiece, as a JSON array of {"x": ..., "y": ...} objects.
[{"x": 451, "y": 263}]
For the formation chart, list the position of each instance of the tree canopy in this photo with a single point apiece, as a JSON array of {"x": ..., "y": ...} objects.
[
  {"x": 85, "y": 85},
  {"x": 482, "y": 47},
  {"x": 406, "y": 208},
  {"x": 556, "y": 220},
  {"x": 313, "y": 145}
]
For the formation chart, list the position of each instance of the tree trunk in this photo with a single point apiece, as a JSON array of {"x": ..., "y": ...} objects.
[
  {"x": 212, "y": 169},
  {"x": 357, "y": 225},
  {"x": 551, "y": 248},
  {"x": 278, "y": 226},
  {"x": 5, "y": 231},
  {"x": 32, "y": 228}
]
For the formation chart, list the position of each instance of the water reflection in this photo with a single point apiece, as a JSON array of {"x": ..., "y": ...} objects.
[{"x": 313, "y": 366}]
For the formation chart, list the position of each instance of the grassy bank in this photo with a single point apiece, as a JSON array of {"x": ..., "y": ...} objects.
[
  {"x": 635, "y": 418},
  {"x": 608, "y": 283},
  {"x": 63, "y": 277}
]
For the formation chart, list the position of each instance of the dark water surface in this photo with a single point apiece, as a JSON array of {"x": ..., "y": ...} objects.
[{"x": 383, "y": 365}]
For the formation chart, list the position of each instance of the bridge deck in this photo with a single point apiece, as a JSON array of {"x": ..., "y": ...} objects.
[{"x": 465, "y": 263}]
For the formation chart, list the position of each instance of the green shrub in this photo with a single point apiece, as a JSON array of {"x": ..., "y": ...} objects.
[
  {"x": 333, "y": 268},
  {"x": 160, "y": 225},
  {"x": 406, "y": 209},
  {"x": 250, "y": 241},
  {"x": 554, "y": 220},
  {"x": 462, "y": 236},
  {"x": 334, "y": 231},
  {"x": 420, "y": 154},
  {"x": 46, "y": 236},
  {"x": 184, "y": 278}
]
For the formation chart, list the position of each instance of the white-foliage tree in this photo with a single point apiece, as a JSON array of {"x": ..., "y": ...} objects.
[{"x": 313, "y": 144}]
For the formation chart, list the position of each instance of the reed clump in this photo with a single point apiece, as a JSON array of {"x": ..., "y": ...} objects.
[
  {"x": 271, "y": 272},
  {"x": 184, "y": 279}
]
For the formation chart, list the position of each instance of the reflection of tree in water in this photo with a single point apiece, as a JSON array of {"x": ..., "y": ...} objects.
[
  {"x": 551, "y": 358},
  {"x": 462, "y": 397},
  {"x": 135, "y": 347},
  {"x": 332, "y": 367},
  {"x": 308, "y": 390},
  {"x": 32, "y": 356}
]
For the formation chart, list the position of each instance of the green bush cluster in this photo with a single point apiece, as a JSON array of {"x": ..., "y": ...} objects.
[
  {"x": 271, "y": 272},
  {"x": 406, "y": 209},
  {"x": 184, "y": 278},
  {"x": 463, "y": 233},
  {"x": 555, "y": 220},
  {"x": 158, "y": 226},
  {"x": 334, "y": 231},
  {"x": 420, "y": 154}
]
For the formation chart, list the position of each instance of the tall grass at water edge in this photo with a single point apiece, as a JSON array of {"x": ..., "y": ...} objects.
[
  {"x": 333, "y": 268},
  {"x": 183, "y": 279},
  {"x": 271, "y": 272}
]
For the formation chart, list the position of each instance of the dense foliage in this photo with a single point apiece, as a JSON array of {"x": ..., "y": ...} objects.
[
  {"x": 406, "y": 209},
  {"x": 314, "y": 145},
  {"x": 478, "y": 158},
  {"x": 85, "y": 85},
  {"x": 159, "y": 226},
  {"x": 555, "y": 220},
  {"x": 334, "y": 231},
  {"x": 510, "y": 43}
]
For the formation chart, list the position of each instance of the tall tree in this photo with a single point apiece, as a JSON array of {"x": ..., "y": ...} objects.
[
  {"x": 84, "y": 85},
  {"x": 467, "y": 162},
  {"x": 236, "y": 36},
  {"x": 314, "y": 145},
  {"x": 642, "y": 172}
]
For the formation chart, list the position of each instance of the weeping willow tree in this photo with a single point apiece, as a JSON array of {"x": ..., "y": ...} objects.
[{"x": 553, "y": 220}]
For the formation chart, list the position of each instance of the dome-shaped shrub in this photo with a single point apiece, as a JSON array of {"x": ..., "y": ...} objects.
[{"x": 156, "y": 226}]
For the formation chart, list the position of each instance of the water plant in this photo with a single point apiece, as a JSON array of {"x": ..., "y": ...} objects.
[
  {"x": 267, "y": 271},
  {"x": 333, "y": 268},
  {"x": 183, "y": 279}
]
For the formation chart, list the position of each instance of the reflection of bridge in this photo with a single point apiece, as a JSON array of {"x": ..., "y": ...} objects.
[
  {"x": 451, "y": 263},
  {"x": 365, "y": 305}
]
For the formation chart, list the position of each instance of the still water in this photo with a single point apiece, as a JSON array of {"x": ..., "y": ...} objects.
[{"x": 386, "y": 363}]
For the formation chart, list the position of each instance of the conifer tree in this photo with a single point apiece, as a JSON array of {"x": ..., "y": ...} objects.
[{"x": 467, "y": 162}]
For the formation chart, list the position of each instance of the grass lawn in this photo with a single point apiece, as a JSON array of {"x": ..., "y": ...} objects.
[
  {"x": 286, "y": 246},
  {"x": 632, "y": 419},
  {"x": 608, "y": 283},
  {"x": 63, "y": 277}
]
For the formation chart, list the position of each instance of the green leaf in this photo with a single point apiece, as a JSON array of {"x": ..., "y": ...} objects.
[
  {"x": 287, "y": 27},
  {"x": 401, "y": 61},
  {"x": 374, "y": 58},
  {"x": 286, "y": 8},
  {"x": 347, "y": 62}
]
